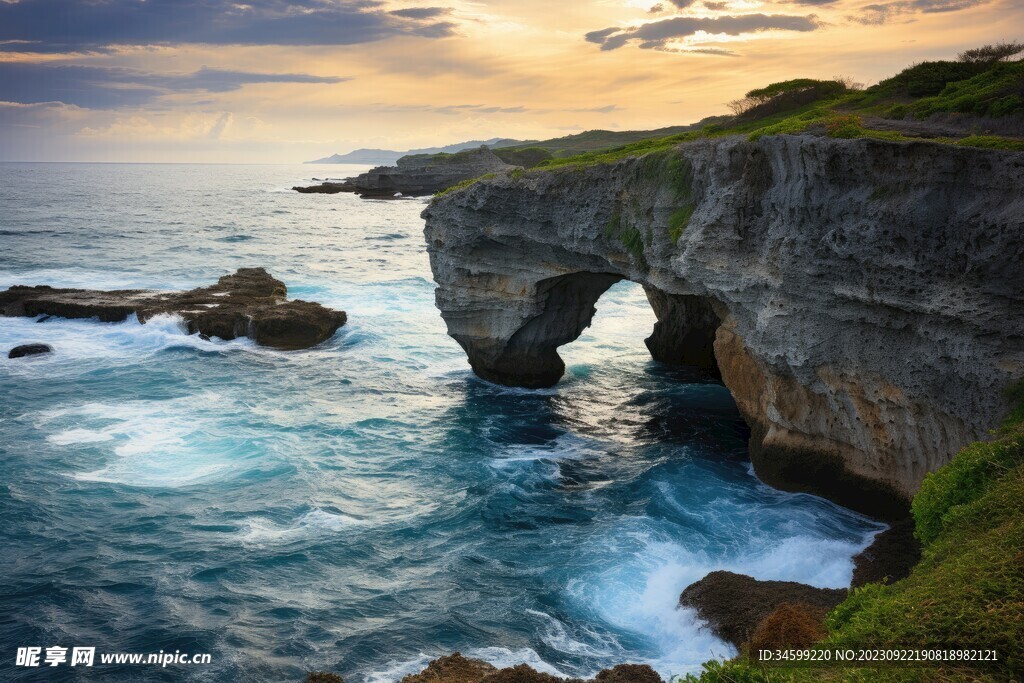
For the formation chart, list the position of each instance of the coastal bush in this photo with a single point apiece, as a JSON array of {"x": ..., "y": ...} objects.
[
  {"x": 784, "y": 96},
  {"x": 790, "y": 625},
  {"x": 924, "y": 79},
  {"x": 844, "y": 126},
  {"x": 996, "y": 91},
  {"x": 988, "y": 54}
]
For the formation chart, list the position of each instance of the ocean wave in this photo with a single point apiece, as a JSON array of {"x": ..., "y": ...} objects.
[{"x": 315, "y": 523}]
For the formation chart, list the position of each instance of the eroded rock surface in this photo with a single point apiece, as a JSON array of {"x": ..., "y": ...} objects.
[
  {"x": 864, "y": 297},
  {"x": 249, "y": 303}
]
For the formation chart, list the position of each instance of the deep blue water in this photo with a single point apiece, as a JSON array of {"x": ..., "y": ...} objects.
[{"x": 365, "y": 505}]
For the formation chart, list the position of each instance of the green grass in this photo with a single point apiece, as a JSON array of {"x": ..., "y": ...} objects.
[
  {"x": 463, "y": 184},
  {"x": 930, "y": 88},
  {"x": 527, "y": 157},
  {"x": 967, "y": 590},
  {"x": 633, "y": 149}
]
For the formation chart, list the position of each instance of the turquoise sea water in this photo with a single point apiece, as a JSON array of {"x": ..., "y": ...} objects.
[{"x": 363, "y": 506}]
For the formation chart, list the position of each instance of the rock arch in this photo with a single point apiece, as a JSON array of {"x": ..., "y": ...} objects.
[
  {"x": 862, "y": 299},
  {"x": 562, "y": 307}
]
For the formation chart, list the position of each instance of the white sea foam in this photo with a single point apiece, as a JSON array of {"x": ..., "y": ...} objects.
[
  {"x": 168, "y": 443},
  {"x": 77, "y": 436},
  {"x": 79, "y": 345},
  {"x": 314, "y": 523}
]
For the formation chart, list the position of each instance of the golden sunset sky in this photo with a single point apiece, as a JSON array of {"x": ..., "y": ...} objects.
[{"x": 281, "y": 81}]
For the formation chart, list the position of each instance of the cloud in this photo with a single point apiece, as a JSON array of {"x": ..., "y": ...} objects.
[
  {"x": 49, "y": 26},
  {"x": 98, "y": 87},
  {"x": 683, "y": 4},
  {"x": 607, "y": 109},
  {"x": 39, "y": 114},
  {"x": 656, "y": 34},
  {"x": 883, "y": 12},
  {"x": 220, "y": 125},
  {"x": 421, "y": 12}
]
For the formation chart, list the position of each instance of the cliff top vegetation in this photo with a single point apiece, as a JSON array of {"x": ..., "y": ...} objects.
[{"x": 976, "y": 100}]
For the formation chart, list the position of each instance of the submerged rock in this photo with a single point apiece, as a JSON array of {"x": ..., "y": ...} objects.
[
  {"x": 734, "y": 605},
  {"x": 249, "y": 303},
  {"x": 416, "y": 175},
  {"x": 29, "y": 350},
  {"x": 456, "y": 668}
]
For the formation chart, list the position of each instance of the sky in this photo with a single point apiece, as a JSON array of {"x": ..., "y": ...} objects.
[{"x": 280, "y": 81}]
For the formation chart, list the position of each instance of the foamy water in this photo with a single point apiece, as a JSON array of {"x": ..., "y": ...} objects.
[{"x": 367, "y": 505}]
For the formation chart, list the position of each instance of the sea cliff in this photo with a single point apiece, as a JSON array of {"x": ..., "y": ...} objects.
[{"x": 860, "y": 298}]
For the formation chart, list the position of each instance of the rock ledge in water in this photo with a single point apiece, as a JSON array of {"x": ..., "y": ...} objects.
[
  {"x": 29, "y": 350},
  {"x": 250, "y": 303},
  {"x": 734, "y": 605}
]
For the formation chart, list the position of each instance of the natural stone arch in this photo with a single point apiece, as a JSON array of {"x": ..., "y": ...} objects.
[
  {"x": 686, "y": 329},
  {"x": 563, "y": 306},
  {"x": 865, "y": 335}
]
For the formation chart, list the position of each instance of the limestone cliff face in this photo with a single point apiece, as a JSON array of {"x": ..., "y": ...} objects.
[{"x": 864, "y": 299}]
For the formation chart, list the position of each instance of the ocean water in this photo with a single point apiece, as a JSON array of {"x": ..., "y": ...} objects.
[{"x": 363, "y": 506}]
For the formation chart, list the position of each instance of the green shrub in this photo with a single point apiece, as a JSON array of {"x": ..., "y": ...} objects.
[
  {"x": 926, "y": 78},
  {"x": 844, "y": 126}
]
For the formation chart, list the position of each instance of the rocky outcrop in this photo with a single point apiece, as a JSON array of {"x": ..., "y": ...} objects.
[
  {"x": 735, "y": 605},
  {"x": 861, "y": 299},
  {"x": 458, "y": 669},
  {"x": 417, "y": 175},
  {"x": 249, "y": 303},
  {"x": 29, "y": 350}
]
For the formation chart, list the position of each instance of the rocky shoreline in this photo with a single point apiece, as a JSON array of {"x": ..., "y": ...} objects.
[
  {"x": 456, "y": 668},
  {"x": 249, "y": 303},
  {"x": 416, "y": 175}
]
